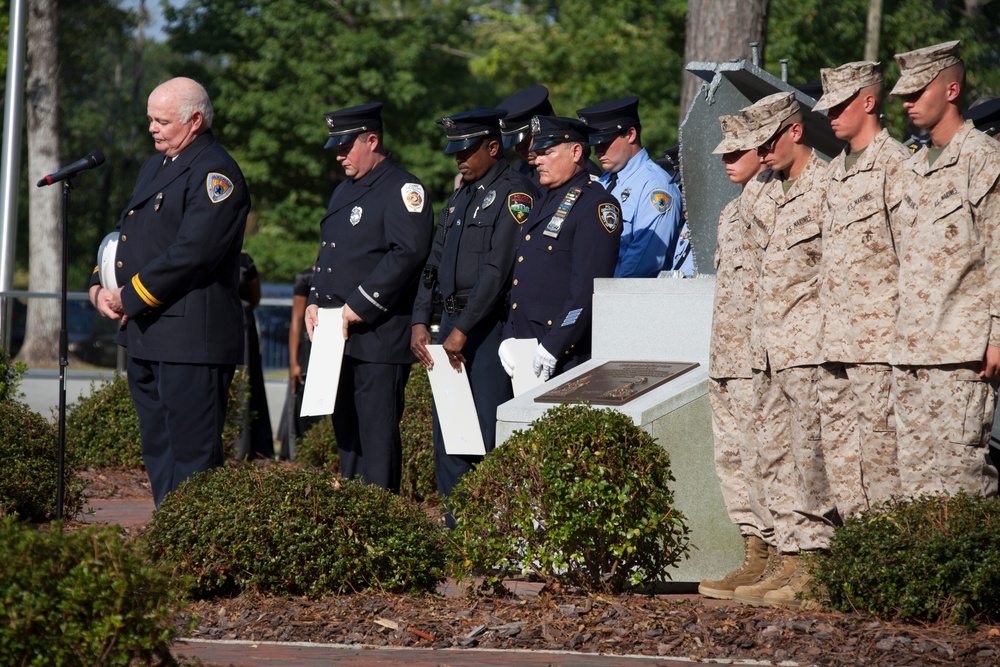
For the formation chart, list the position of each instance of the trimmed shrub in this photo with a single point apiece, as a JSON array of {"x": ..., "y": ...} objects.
[
  {"x": 282, "y": 530},
  {"x": 935, "y": 558},
  {"x": 81, "y": 598},
  {"x": 581, "y": 498},
  {"x": 103, "y": 427},
  {"x": 318, "y": 447},
  {"x": 10, "y": 376},
  {"x": 415, "y": 430},
  {"x": 29, "y": 459}
]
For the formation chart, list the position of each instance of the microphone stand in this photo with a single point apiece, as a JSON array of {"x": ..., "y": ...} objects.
[{"x": 63, "y": 352}]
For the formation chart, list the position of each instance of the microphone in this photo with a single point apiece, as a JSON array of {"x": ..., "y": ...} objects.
[{"x": 89, "y": 162}]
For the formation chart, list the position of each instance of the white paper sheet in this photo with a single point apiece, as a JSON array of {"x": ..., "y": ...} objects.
[
  {"x": 456, "y": 409},
  {"x": 325, "y": 360},
  {"x": 522, "y": 352}
]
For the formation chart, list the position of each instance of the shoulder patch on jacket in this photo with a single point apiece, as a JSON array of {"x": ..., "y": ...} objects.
[
  {"x": 218, "y": 186},
  {"x": 610, "y": 216},
  {"x": 519, "y": 204},
  {"x": 661, "y": 200},
  {"x": 413, "y": 197}
]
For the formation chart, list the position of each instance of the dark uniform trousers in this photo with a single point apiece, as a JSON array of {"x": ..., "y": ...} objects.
[
  {"x": 370, "y": 402},
  {"x": 178, "y": 264},
  {"x": 375, "y": 237},
  {"x": 176, "y": 423}
]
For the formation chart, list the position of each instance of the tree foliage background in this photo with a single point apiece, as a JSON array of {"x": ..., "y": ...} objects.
[{"x": 273, "y": 67}]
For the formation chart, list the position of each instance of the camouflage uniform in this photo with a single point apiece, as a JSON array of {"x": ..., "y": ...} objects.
[
  {"x": 948, "y": 215},
  {"x": 730, "y": 388},
  {"x": 858, "y": 304},
  {"x": 785, "y": 352}
]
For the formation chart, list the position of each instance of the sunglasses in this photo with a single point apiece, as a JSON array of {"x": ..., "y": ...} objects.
[{"x": 768, "y": 146}]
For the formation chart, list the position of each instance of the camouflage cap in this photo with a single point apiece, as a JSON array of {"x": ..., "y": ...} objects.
[
  {"x": 768, "y": 115},
  {"x": 918, "y": 68},
  {"x": 734, "y": 136},
  {"x": 840, "y": 83}
]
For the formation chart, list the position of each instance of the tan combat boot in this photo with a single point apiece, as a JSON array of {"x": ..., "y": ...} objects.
[
  {"x": 755, "y": 558},
  {"x": 787, "y": 595},
  {"x": 780, "y": 569}
]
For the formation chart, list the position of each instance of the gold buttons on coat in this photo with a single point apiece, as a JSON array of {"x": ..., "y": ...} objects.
[
  {"x": 118, "y": 264},
  {"x": 527, "y": 237},
  {"x": 513, "y": 306},
  {"x": 124, "y": 238},
  {"x": 515, "y": 281},
  {"x": 521, "y": 258},
  {"x": 550, "y": 247},
  {"x": 550, "y": 322},
  {"x": 131, "y": 212}
]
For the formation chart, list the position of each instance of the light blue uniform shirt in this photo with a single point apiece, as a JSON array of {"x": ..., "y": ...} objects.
[{"x": 654, "y": 235}]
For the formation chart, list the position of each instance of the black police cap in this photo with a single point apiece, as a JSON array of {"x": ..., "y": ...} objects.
[
  {"x": 521, "y": 107},
  {"x": 985, "y": 115},
  {"x": 346, "y": 124},
  {"x": 608, "y": 120},
  {"x": 548, "y": 131},
  {"x": 470, "y": 127},
  {"x": 670, "y": 162}
]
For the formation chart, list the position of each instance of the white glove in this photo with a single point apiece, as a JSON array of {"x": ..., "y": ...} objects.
[
  {"x": 506, "y": 361},
  {"x": 544, "y": 364}
]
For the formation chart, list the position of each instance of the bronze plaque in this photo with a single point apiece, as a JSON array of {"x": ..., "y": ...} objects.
[{"x": 617, "y": 382}]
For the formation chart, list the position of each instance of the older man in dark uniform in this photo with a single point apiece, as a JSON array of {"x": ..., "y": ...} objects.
[
  {"x": 178, "y": 264},
  {"x": 469, "y": 273},
  {"x": 569, "y": 239},
  {"x": 375, "y": 237}
]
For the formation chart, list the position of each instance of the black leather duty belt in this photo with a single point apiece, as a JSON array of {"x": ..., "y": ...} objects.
[{"x": 455, "y": 303}]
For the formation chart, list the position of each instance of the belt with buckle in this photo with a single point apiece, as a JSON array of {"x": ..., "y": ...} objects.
[{"x": 455, "y": 303}]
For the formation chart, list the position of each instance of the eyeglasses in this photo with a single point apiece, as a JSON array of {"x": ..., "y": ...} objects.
[{"x": 768, "y": 146}]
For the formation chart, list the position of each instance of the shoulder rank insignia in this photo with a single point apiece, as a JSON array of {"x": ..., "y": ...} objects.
[
  {"x": 610, "y": 216},
  {"x": 661, "y": 200},
  {"x": 413, "y": 197},
  {"x": 219, "y": 187},
  {"x": 519, "y": 204},
  {"x": 556, "y": 221}
]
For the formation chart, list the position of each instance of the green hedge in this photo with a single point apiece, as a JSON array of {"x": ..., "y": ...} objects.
[
  {"x": 281, "y": 530},
  {"x": 581, "y": 498},
  {"x": 81, "y": 598},
  {"x": 29, "y": 463},
  {"x": 931, "y": 559}
]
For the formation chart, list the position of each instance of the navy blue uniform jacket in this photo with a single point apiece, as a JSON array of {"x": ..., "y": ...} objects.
[
  {"x": 552, "y": 294},
  {"x": 487, "y": 214},
  {"x": 178, "y": 258},
  {"x": 375, "y": 238}
]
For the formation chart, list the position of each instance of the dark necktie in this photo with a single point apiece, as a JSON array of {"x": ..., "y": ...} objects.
[
  {"x": 447, "y": 272},
  {"x": 613, "y": 181}
]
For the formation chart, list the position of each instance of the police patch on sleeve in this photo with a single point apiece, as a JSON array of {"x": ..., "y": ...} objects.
[
  {"x": 610, "y": 216},
  {"x": 219, "y": 187},
  {"x": 661, "y": 200},
  {"x": 413, "y": 197},
  {"x": 519, "y": 205}
]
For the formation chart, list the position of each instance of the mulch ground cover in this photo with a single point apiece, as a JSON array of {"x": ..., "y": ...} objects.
[{"x": 627, "y": 624}]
